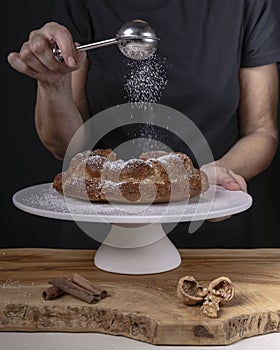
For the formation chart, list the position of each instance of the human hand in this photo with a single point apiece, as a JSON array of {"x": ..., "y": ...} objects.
[
  {"x": 37, "y": 60},
  {"x": 224, "y": 177}
]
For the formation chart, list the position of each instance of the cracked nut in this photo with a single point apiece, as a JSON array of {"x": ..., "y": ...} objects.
[
  {"x": 190, "y": 291},
  {"x": 220, "y": 291},
  {"x": 210, "y": 309}
]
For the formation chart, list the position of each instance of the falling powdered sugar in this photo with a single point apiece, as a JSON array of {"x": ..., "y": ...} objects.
[
  {"x": 146, "y": 80},
  {"x": 144, "y": 86}
]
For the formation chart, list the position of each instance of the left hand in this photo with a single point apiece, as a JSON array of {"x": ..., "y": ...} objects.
[{"x": 226, "y": 178}]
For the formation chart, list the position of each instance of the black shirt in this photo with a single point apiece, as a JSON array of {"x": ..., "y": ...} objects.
[{"x": 204, "y": 42}]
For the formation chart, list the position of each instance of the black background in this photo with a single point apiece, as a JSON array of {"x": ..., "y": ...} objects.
[{"x": 25, "y": 162}]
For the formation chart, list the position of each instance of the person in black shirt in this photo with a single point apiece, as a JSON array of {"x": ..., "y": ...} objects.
[{"x": 222, "y": 74}]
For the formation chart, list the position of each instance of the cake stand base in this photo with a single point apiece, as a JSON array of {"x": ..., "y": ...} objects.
[{"x": 137, "y": 250}]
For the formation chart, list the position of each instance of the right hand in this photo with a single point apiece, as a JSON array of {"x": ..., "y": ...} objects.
[
  {"x": 37, "y": 60},
  {"x": 225, "y": 177}
]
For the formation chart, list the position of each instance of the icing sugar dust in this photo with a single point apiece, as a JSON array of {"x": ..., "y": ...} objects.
[
  {"x": 144, "y": 85},
  {"x": 146, "y": 80}
]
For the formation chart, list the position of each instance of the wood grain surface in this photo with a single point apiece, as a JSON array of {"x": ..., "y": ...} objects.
[{"x": 142, "y": 307}]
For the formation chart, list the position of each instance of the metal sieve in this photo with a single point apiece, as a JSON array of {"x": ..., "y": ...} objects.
[{"x": 135, "y": 39}]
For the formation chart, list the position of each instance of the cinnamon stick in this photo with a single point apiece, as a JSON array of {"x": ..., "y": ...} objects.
[
  {"x": 52, "y": 293},
  {"x": 98, "y": 292},
  {"x": 73, "y": 289}
]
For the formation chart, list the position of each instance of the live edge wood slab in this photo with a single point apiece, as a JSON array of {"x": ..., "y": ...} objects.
[{"x": 145, "y": 307}]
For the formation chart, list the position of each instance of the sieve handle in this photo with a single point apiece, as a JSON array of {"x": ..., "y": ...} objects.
[{"x": 58, "y": 55}]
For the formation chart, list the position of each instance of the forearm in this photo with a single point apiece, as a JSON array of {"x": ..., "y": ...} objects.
[
  {"x": 56, "y": 116},
  {"x": 61, "y": 105},
  {"x": 251, "y": 154},
  {"x": 258, "y": 122}
]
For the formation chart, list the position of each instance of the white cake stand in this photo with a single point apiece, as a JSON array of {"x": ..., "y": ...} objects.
[{"x": 136, "y": 243}]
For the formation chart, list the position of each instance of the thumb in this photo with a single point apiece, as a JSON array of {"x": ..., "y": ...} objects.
[
  {"x": 228, "y": 181},
  {"x": 232, "y": 181}
]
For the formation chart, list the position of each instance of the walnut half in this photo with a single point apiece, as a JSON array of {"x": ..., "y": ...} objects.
[
  {"x": 190, "y": 291},
  {"x": 220, "y": 291}
]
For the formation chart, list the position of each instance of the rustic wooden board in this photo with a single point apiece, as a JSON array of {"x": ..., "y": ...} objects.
[{"x": 142, "y": 307}]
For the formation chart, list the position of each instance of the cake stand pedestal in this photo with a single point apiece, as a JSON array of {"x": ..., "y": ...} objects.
[
  {"x": 136, "y": 243},
  {"x": 137, "y": 249}
]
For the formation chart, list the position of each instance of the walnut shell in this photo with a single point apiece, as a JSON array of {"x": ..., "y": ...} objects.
[
  {"x": 221, "y": 290},
  {"x": 190, "y": 291}
]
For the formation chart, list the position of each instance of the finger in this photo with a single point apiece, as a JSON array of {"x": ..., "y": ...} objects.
[
  {"x": 228, "y": 182},
  {"x": 63, "y": 38},
  {"x": 240, "y": 180},
  {"x": 211, "y": 171},
  {"x": 15, "y": 61},
  {"x": 220, "y": 219},
  {"x": 28, "y": 57},
  {"x": 81, "y": 55},
  {"x": 40, "y": 48}
]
